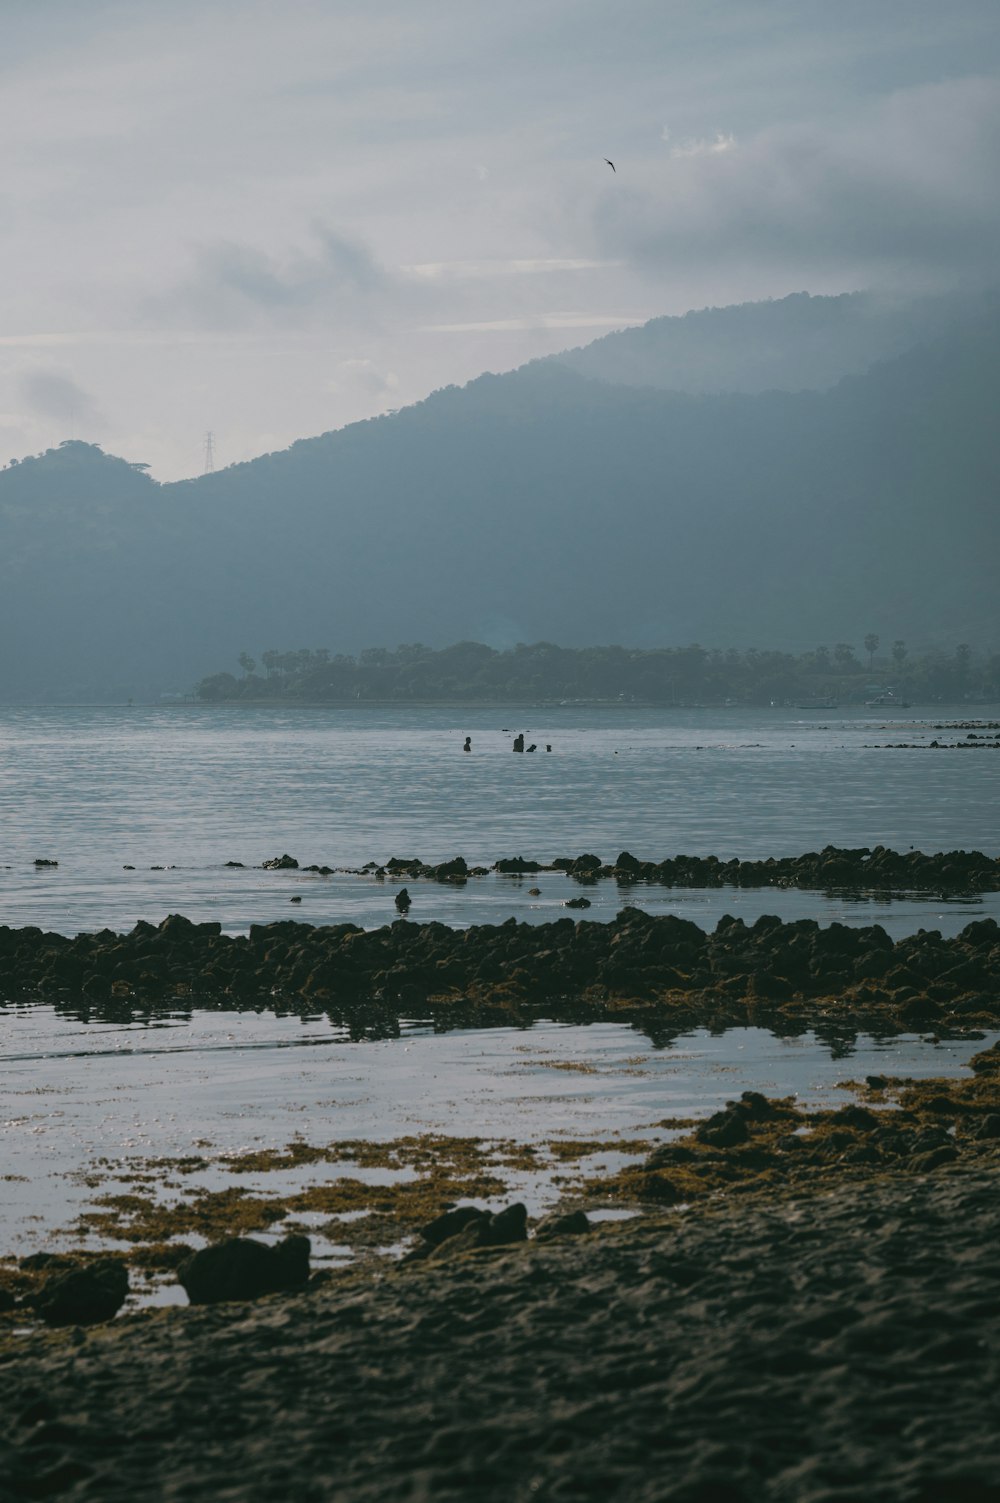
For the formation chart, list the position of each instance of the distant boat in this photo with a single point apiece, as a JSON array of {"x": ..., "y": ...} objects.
[
  {"x": 816, "y": 704},
  {"x": 882, "y": 700}
]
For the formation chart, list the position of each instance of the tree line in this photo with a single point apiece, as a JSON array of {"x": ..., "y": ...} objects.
[{"x": 471, "y": 671}]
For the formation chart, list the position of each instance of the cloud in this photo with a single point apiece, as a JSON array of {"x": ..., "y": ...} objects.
[
  {"x": 485, "y": 270},
  {"x": 50, "y": 394},
  {"x": 712, "y": 147},
  {"x": 908, "y": 187},
  {"x": 538, "y": 321},
  {"x": 235, "y": 285},
  {"x": 363, "y": 375}
]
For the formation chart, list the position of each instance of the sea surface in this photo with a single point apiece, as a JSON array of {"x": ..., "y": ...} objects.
[
  {"x": 143, "y": 807},
  {"x": 176, "y": 793}
]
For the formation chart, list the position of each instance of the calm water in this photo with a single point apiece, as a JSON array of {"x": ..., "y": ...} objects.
[
  {"x": 176, "y": 793},
  {"x": 187, "y": 789},
  {"x": 111, "y": 1096}
]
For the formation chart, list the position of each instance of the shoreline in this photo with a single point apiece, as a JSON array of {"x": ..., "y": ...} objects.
[
  {"x": 811, "y": 1345},
  {"x": 752, "y": 1147},
  {"x": 806, "y": 1307}
]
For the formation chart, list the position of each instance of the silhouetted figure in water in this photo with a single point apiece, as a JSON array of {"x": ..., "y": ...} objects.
[
  {"x": 532, "y": 747},
  {"x": 548, "y": 746},
  {"x": 519, "y": 743},
  {"x": 403, "y": 900},
  {"x": 468, "y": 744}
]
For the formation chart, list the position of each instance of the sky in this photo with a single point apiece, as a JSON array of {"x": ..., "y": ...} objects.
[{"x": 265, "y": 220}]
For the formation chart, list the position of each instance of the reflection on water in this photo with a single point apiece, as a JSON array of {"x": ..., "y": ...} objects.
[{"x": 212, "y": 1083}]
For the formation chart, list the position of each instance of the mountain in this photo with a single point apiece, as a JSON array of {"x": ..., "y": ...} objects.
[
  {"x": 795, "y": 343},
  {"x": 541, "y": 504}
]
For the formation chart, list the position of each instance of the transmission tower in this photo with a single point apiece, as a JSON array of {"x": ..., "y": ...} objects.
[{"x": 209, "y": 452}]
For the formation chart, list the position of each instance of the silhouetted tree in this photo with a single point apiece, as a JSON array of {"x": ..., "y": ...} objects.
[{"x": 871, "y": 647}]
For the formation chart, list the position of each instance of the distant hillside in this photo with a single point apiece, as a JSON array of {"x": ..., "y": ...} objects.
[
  {"x": 536, "y": 506},
  {"x": 795, "y": 343}
]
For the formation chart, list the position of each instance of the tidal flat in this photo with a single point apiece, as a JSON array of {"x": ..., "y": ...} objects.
[
  {"x": 783, "y": 1284},
  {"x": 765, "y": 1078}
]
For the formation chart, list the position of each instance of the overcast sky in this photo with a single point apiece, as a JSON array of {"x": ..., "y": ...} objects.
[{"x": 269, "y": 219}]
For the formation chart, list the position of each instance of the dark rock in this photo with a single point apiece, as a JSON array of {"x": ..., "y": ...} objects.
[
  {"x": 946, "y": 1105},
  {"x": 41, "y": 861},
  {"x": 467, "y": 1240},
  {"x": 450, "y": 1223},
  {"x": 670, "y": 1153},
  {"x": 284, "y": 863},
  {"x": 508, "y": 1225},
  {"x": 572, "y": 1224},
  {"x": 84, "y": 1295},
  {"x": 855, "y": 1116},
  {"x": 499, "y": 1230},
  {"x": 989, "y": 1127},
  {"x": 657, "y": 1186},
  {"x": 923, "y": 1163},
  {"x": 585, "y": 864},
  {"x": 241, "y": 1268},
  {"x": 919, "y": 1009},
  {"x": 724, "y": 1130},
  {"x": 756, "y": 1107},
  {"x": 32, "y": 1262},
  {"x": 577, "y": 903}
]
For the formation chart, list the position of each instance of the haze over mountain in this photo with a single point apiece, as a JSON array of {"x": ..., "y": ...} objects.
[
  {"x": 547, "y": 504},
  {"x": 794, "y": 343}
]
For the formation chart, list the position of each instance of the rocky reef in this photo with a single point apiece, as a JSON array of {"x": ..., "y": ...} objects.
[
  {"x": 863, "y": 868},
  {"x": 664, "y": 965}
]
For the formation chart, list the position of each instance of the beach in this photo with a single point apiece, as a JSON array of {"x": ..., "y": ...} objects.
[{"x": 836, "y": 1344}]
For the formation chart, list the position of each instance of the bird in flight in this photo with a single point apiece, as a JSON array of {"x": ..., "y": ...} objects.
[{"x": 611, "y": 164}]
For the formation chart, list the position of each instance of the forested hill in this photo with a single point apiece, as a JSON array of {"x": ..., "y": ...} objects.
[
  {"x": 794, "y": 343},
  {"x": 540, "y": 505}
]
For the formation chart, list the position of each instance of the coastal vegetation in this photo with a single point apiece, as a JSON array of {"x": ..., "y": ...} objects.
[{"x": 471, "y": 672}]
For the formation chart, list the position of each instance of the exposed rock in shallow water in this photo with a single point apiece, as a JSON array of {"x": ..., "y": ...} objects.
[
  {"x": 483, "y": 1230},
  {"x": 449, "y": 1224},
  {"x": 241, "y": 1268},
  {"x": 665, "y": 966},
  {"x": 85, "y": 1295}
]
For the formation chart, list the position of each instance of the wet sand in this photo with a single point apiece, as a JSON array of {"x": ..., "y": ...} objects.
[{"x": 835, "y": 1344}]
